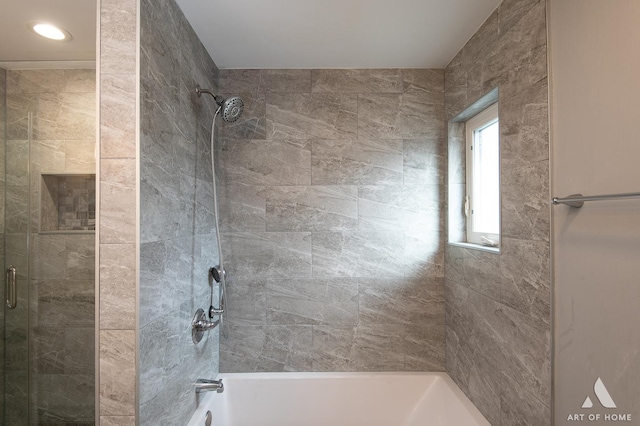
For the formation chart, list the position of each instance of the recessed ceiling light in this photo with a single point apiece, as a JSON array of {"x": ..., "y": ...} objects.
[{"x": 49, "y": 31}]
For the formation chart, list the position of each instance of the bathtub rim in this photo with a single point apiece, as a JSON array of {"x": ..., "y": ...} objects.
[{"x": 442, "y": 377}]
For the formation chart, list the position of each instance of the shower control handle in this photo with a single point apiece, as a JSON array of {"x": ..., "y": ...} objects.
[{"x": 11, "y": 291}]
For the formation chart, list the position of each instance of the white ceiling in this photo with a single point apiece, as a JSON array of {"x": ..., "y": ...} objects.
[
  {"x": 18, "y": 43},
  {"x": 273, "y": 33},
  {"x": 335, "y": 33}
]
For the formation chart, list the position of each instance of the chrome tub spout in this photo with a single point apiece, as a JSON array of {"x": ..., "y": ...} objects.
[{"x": 204, "y": 385}]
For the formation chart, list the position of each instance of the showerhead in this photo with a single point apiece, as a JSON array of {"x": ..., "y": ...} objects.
[{"x": 231, "y": 108}]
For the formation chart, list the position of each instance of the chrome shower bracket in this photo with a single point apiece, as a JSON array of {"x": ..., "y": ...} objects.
[{"x": 217, "y": 273}]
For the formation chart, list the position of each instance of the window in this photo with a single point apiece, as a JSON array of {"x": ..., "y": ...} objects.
[{"x": 482, "y": 202}]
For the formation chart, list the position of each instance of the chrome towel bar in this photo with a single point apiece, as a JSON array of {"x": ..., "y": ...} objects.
[{"x": 577, "y": 200}]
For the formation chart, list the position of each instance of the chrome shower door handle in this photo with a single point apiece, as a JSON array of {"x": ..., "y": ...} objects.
[{"x": 11, "y": 291}]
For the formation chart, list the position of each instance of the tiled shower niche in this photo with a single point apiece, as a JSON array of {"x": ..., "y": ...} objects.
[{"x": 68, "y": 202}]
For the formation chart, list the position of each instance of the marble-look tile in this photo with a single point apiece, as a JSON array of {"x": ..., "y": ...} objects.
[
  {"x": 152, "y": 348},
  {"x": 48, "y": 345},
  {"x": 333, "y": 347},
  {"x": 413, "y": 208},
  {"x": 18, "y": 107},
  {"x": 528, "y": 358},
  {"x": 399, "y": 304},
  {"x": 457, "y": 224},
  {"x": 476, "y": 353},
  {"x": 66, "y": 397},
  {"x": 268, "y": 254},
  {"x": 16, "y": 209},
  {"x": 80, "y": 156},
  {"x": 243, "y": 208},
  {"x": 79, "y": 350},
  {"x": 483, "y": 324},
  {"x": 285, "y": 81},
  {"x": 16, "y": 355},
  {"x": 80, "y": 256},
  {"x": 424, "y": 82},
  {"x": 399, "y": 116},
  {"x": 36, "y": 81},
  {"x": 477, "y": 270},
  {"x": 77, "y": 118},
  {"x": 163, "y": 184},
  {"x": 64, "y": 116},
  {"x": 456, "y": 154},
  {"x": 481, "y": 45},
  {"x": 241, "y": 352},
  {"x": 311, "y": 208},
  {"x": 356, "y": 81},
  {"x": 358, "y": 254},
  {"x": 79, "y": 81},
  {"x": 424, "y": 255},
  {"x": 305, "y": 116},
  {"x": 376, "y": 349},
  {"x": 512, "y": 11},
  {"x": 378, "y": 116},
  {"x": 16, "y": 398},
  {"x": 118, "y": 21},
  {"x": 520, "y": 408},
  {"x": 118, "y": 116},
  {"x": 117, "y": 286},
  {"x": 47, "y": 156},
  {"x": 525, "y": 202},
  {"x": 255, "y": 162},
  {"x": 49, "y": 257},
  {"x": 356, "y": 161},
  {"x": 524, "y": 134},
  {"x": 424, "y": 347},
  {"x": 252, "y": 123},
  {"x": 492, "y": 350},
  {"x": 526, "y": 286},
  {"x": 17, "y": 158},
  {"x": 425, "y": 161},
  {"x": 118, "y": 193},
  {"x": 267, "y": 348},
  {"x": 523, "y": 40},
  {"x": 247, "y": 301},
  {"x": 117, "y": 372},
  {"x": 312, "y": 301},
  {"x": 117, "y": 420},
  {"x": 66, "y": 303},
  {"x": 239, "y": 80}
]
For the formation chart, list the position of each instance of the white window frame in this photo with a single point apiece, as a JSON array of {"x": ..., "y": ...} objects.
[{"x": 483, "y": 119}]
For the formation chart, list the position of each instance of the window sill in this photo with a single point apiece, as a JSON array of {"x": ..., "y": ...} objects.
[{"x": 473, "y": 246}]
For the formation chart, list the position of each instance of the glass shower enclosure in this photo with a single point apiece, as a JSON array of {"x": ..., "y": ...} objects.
[{"x": 47, "y": 249}]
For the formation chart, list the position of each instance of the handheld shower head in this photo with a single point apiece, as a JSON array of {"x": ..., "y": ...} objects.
[{"x": 231, "y": 108}]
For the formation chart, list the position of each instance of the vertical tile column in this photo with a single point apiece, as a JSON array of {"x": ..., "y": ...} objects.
[{"x": 117, "y": 212}]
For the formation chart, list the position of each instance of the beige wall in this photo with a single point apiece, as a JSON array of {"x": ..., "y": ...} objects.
[{"x": 594, "y": 100}]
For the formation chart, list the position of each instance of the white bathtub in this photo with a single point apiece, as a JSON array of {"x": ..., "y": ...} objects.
[{"x": 338, "y": 399}]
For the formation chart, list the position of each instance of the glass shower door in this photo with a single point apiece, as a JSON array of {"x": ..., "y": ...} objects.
[{"x": 49, "y": 227}]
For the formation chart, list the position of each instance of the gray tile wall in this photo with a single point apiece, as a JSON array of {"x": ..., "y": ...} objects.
[
  {"x": 177, "y": 239},
  {"x": 59, "y": 269},
  {"x": 332, "y": 216},
  {"x": 497, "y": 306}
]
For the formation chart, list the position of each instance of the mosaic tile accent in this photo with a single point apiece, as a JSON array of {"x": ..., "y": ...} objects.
[{"x": 68, "y": 203}]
